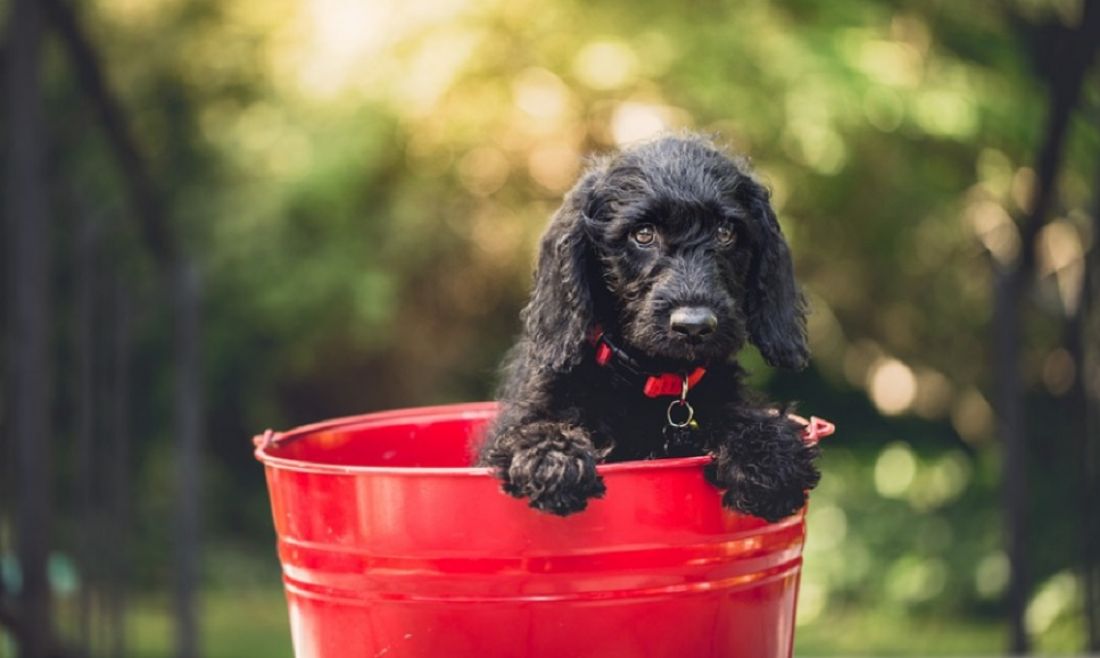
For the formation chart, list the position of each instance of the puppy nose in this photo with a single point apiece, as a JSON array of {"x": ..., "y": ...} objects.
[{"x": 693, "y": 321}]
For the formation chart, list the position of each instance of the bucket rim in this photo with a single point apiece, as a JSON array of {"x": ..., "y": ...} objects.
[{"x": 465, "y": 410}]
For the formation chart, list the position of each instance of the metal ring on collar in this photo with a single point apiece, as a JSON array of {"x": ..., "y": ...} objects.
[{"x": 680, "y": 403}]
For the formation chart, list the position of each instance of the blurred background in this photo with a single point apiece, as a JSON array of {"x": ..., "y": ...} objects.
[{"x": 228, "y": 215}]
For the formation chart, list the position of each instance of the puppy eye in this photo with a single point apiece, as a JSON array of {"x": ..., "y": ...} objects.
[
  {"x": 644, "y": 235},
  {"x": 724, "y": 235}
]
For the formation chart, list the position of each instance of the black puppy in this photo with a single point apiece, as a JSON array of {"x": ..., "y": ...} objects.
[{"x": 660, "y": 263}]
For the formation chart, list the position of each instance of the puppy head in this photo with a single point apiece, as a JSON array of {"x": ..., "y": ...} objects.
[{"x": 674, "y": 247}]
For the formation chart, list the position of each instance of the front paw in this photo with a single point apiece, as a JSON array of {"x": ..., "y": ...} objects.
[
  {"x": 769, "y": 498},
  {"x": 557, "y": 474},
  {"x": 766, "y": 470}
]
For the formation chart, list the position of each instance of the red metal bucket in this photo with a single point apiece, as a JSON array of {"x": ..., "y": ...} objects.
[{"x": 391, "y": 546}]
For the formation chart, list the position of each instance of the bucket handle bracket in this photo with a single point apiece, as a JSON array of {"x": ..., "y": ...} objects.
[
  {"x": 265, "y": 440},
  {"x": 815, "y": 428}
]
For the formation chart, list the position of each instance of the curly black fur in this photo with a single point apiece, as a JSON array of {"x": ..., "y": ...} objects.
[{"x": 562, "y": 413}]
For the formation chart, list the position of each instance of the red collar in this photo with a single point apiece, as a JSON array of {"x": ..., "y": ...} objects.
[{"x": 655, "y": 384}]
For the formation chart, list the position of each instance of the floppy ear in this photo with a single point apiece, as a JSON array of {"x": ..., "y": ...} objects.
[
  {"x": 774, "y": 306},
  {"x": 559, "y": 316}
]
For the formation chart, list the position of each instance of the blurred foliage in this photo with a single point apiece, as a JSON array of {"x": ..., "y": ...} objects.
[{"x": 364, "y": 184}]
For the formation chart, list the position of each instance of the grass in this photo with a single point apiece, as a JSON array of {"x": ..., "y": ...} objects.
[
  {"x": 235, "y": 623},
  {"x": 893, "y": 633},
  {"x": 251, "y": 622}
]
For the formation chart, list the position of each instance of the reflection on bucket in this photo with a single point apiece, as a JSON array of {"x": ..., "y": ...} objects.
[{"x": 392, "y": 547}]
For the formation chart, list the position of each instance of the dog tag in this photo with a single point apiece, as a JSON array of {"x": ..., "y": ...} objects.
[{"x": 679, "y": 442}]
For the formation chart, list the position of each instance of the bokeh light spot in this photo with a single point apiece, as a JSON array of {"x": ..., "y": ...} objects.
[
  {"x": 812, "y": 598},
  {"x": 946, "y": 113},
  {"x": 934, "y": 391},
  {"x": 1061, "y": 253},
  {"x": 1055, "y": 597},
  {"x": 634, "y": 121},
  {"x": 483, "y": 170},
  {"x": 554, "y": 166},
  {"x": 817, "y": 145},
  {"x": 829, "y": 527},
  {"x": 912, "y": 579},
  {"x": 892, "y": 386},
  {"x": 883, "y": 108},
  {"x": 891, "y": 62},
  {"x": 991, "y": 576},
  {"x": 972, "y": 416},
  {"x": 541, "y": 94},
  {"x": 895, "y": 469},
  {"x": 995, "y": 229},
  {"x": 606, "y": 65},
  {"x": 942, "y": 482}
]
